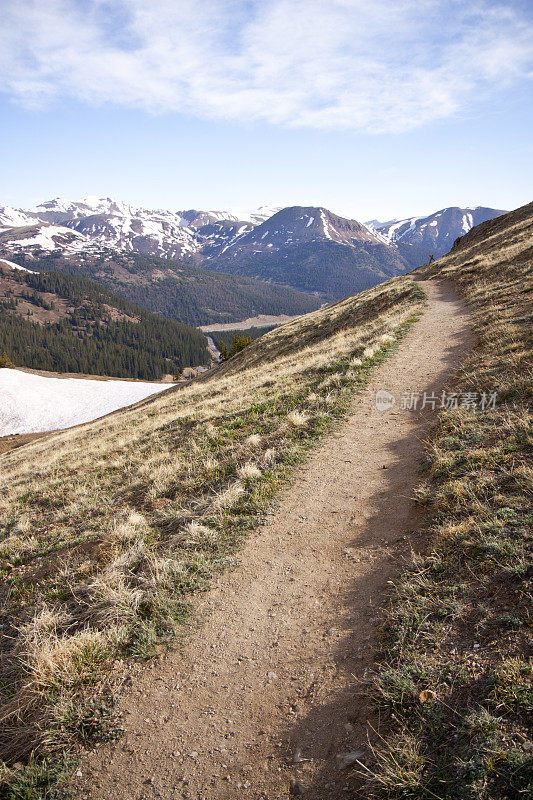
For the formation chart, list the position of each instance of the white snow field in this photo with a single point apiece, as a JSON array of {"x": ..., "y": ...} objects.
[{"x": 35, "y": 403}]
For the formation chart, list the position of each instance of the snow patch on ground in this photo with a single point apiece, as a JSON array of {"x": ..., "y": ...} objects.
[
  {"x": 13, "y": 218},
  {"x": 468, "y": 222},
  {"x": 36, "y": 403},
  {"x": 325, "y": 225}
]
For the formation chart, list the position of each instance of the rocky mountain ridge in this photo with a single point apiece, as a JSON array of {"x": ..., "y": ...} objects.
[
  {"x": 418, "y": 238},
  {"x": 306, "y": 247}
]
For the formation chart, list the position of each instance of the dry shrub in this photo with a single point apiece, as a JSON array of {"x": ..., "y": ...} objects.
[
  {"x": 112, "y": 600},
  {"x": 211, "y": 431},
  {"x": 333, "y": 380},
  {"x": 196, "y": 534},
  {"x": 52, "y": 659},
  {"x": 269, "y": 456},
  {"x": 129, "y": 530},
  {"x": 210, "y": 465}
]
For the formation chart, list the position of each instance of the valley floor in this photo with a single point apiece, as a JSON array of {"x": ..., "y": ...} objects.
[
  {"x": 271, "y": 689},
  {"x": 261, "y": 321}
]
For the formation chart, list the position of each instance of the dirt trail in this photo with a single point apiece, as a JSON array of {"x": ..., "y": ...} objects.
[{"x": 272, "y": 687}]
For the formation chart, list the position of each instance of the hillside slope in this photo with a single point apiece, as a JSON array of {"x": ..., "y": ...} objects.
[
  {"x": 150, "y": 504},
  {"x": 176, "y": 290},
  {"x": 455, "y": 680},
  {"x": 288, "y": 634},
  {"x": 56, "y": 322}
]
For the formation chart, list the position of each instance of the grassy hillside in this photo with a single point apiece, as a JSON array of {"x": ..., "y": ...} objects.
[
  {"x": 455, "y": 681},
  {"x": 108, "y": 528},
  {"x": 56, "y": 322},
  {"x": 179, "y": 291}
]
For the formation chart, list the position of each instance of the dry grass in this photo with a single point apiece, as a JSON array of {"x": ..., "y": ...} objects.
[
  {"x": 299, "y": 419},
  {"x": 108, "y": 528}
]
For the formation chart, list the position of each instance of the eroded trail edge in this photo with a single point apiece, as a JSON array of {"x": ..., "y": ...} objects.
[{"x": 268, "y": 693}]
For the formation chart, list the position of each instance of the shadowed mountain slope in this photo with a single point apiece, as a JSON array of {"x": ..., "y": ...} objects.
[{"x": 313, "y": 250}]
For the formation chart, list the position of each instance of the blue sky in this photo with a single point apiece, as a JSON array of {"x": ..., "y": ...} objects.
[{"x": 373, "y": 109}]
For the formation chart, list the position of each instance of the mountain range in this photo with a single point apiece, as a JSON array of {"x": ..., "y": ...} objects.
[
  {"x": 419, "y": 238},
  {"x": 307, "y": 248}
]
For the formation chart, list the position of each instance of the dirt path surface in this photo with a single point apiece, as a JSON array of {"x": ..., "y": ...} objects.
[{"x": 271, "y": 689}]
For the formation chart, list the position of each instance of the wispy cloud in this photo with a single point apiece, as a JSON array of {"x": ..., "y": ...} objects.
[{"x": 365, "y": 65}]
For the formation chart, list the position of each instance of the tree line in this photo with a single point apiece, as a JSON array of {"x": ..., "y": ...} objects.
[{"x": 140, "y": 345}]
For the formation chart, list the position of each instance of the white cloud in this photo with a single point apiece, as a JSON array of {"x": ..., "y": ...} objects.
[{"x": 366, "y": 65}]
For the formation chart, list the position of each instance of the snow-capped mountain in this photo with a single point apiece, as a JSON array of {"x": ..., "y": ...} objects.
[
  {"x": 299, "y": 225},
  {"x": 113, "y": 223},
  {"x": 43, "y": 237},
  {"x": 418, "y": 238},
  {"x": 309, "y": 248}
]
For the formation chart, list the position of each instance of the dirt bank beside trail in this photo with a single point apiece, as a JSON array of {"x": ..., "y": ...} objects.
[{"x": 271, "y": 689}]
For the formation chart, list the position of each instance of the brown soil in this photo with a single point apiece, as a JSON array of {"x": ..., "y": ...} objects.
[
  {"x": 273, "y": 685},
  {"x": 17, "y": 439}
]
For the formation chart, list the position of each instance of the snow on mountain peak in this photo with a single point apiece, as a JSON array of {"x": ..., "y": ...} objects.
[
  {"x": 97, "y": 222},
  {"x": 14, "y": 218}
]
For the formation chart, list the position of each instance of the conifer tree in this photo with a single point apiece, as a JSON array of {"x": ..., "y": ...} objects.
[
  {"x": 239, "y": 343},
  {"x": 224, "y": 353},
  {"x": 5, "y": 361}
]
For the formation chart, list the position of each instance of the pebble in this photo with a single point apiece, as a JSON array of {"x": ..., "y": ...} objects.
[{"x": 345, "y": 760}]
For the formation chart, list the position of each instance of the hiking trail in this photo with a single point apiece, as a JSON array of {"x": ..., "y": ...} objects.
[{"x": 270, "y": 688}]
